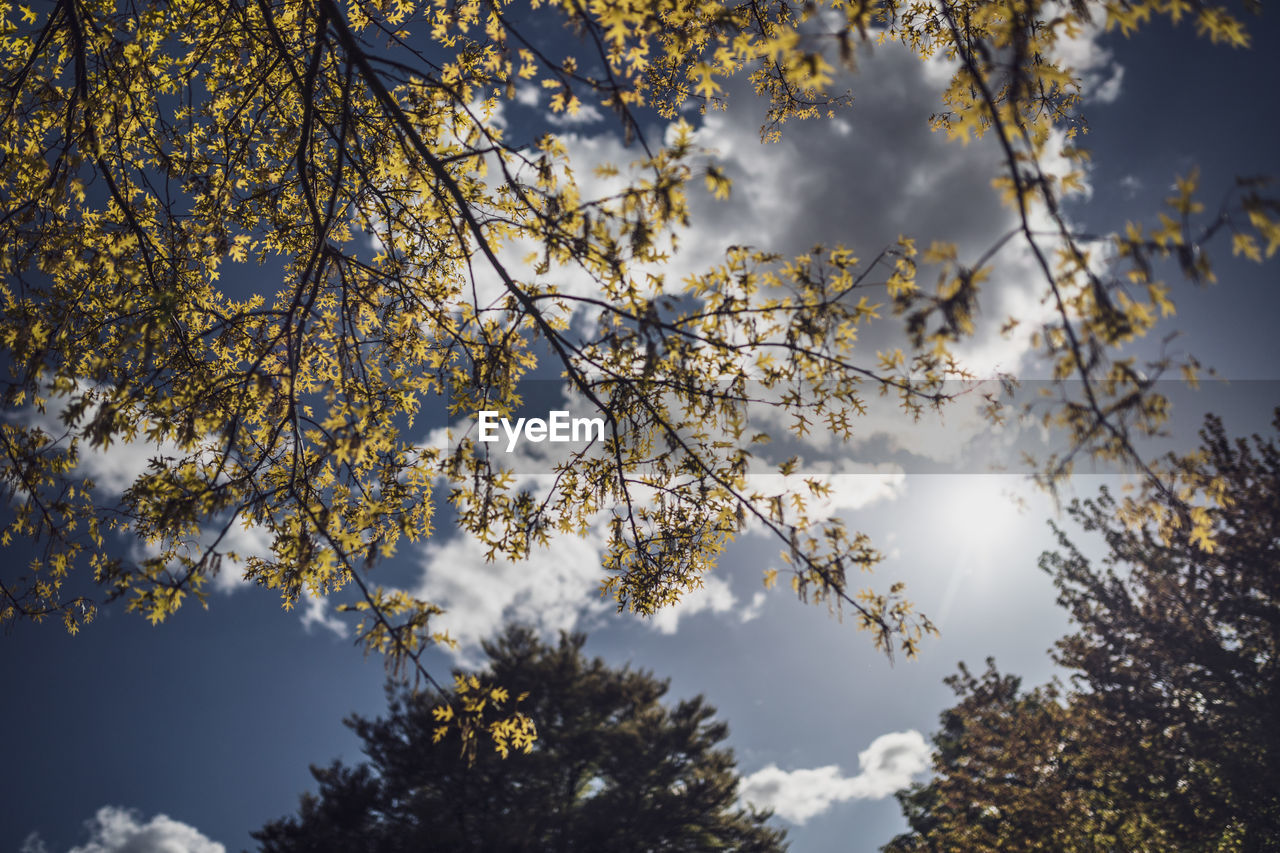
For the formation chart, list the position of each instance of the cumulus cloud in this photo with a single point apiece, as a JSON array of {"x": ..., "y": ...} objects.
[
  {"x": 586, "y": 114},
  {"x": 754, "y": 609},
  {"x": 112, "y": 467},
  {"x": 887, "y": 765},
  {"x": 713, "y": 596},
  {"x": 862, "y": 179},
  {"x": 528, "y": 95},
  {"x": 556, "y": 588},
  {"x": 1094, "y": 66},
  {"x": 117, "y": 830},
  {"x": 875, "y": 172},
  {"x": 850, "y": 485},
  {"x": 242, "y": 541},
  {"x": 116, "y": 466},
  {"x": 245, "y": 541},
  {"x": 316, "y": 614}
]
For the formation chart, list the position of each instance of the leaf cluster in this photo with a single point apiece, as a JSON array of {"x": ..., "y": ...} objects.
[{"x": 153, "y": 155}]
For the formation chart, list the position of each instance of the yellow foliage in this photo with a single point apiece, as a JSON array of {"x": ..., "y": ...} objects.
[{"x": 150, "y": 156}]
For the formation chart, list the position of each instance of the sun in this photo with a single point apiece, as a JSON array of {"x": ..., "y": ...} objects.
[
  {"x": 979, "y": 527},
  {"x": 977, "y": 512}
]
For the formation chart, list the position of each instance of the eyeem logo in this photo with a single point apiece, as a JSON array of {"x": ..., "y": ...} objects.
[{"x": 558, "y": 427}]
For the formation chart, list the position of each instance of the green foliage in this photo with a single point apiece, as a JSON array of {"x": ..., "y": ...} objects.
[
  {"x": 614, "y": 768},
  {"x": 1170, "y": 738}
]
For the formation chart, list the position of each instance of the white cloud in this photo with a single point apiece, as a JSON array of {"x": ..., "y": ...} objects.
[
  {"x": 113, "y": 467},
  {"x": 1099, "y": 75},
  {"x": 586, "y": 114},
  {"x": 875, "y": 172},
  {"x": 851, "y": 485},
  {"x": 117, "y": 830},
  {"x": 713, "y": 596},
  {"x": 243, "y": 541},
  {"x": 528, "y": 95},
  {"x": 491, "y": 113},
  {"x": 116, "y": 466},
  {"x": 556, "y": 588},
  {"x": 887, "y": 765},
  {"x": 316, "y": 614},
  {"x": 1109, "y": 90},
  {"x": 33, "y": 843},
  {"x": 754, "y": 609}
]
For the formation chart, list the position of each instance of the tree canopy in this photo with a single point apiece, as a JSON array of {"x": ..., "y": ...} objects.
[
  {"x": 1168, "y": 738},
  {"x": 614, "y": 768},
  {"x": 1024, "y": 770},
  {"x": 153, "y": 153}
]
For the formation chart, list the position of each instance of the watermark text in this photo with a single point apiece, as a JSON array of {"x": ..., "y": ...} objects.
[{"x": 557, "y": 427}]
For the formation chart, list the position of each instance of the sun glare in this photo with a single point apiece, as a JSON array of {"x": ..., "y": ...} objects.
[{"x": 978, "y": 511}]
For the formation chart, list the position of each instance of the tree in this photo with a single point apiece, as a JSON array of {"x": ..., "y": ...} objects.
[
  {"x": 152, "y": 149},
  {"x": 613, "y": 769},
  {"x": 1179, "y": 647},
  {"x": 1026, "y": 770},
  {"x": 1169, "y": 737}
]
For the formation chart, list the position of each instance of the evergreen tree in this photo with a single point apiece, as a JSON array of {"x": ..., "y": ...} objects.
[{"x": 613, "y": 768}]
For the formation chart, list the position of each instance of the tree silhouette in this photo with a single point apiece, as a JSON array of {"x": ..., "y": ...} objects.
[
  {"x": 1170, "y": 738},
  {"x": 613, "y": 768}
]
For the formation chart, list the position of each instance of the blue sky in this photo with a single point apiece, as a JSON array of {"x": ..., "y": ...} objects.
[{"x": 212, "y": 718}]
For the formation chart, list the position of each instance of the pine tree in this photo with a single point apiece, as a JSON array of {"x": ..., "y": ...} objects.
[{"x": 613, "y": 768}]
